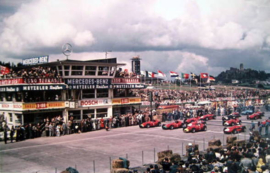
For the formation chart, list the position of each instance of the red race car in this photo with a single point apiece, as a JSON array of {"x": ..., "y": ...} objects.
[
  {"x": 234, "y": 129},
  {"x": 254, "y": 116},
  {"x": 208, "y": 117},
  {"x": 173, "y": 125},
  {"x": 190, "y": 120},
  {"x": 232, "y": 122},
  {"x": 148, "y": 124},
  {"x": 195, "y": 127},
  {"x": 261, "y": 113},
  {"x": 264, "y": 122}
]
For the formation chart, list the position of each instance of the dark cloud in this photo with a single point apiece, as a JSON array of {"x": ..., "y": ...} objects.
[{"x": 199, "y": 37}]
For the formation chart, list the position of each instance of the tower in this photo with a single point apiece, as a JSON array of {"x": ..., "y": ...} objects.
[
  {"x": 241, "y": 67},
  {"x": 136, "y": 65}
]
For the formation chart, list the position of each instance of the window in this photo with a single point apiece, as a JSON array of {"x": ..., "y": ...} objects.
[
  {"x": 90, "y": 93},
  {"x": 101, "y": 93},
  {"x": 9, "y": 96},
  {"x": 18, "y": 96},
  {"x": 19, "y": 118},
  {"x": 119, "y": 92},
  {"x": 90, "y": 70},
  {"x": 103, "y": 71},
  {"x": 88, "y": 113},
  {"x": 66, "y": 68},
  {"x": 102, "y": 113},
  {"x": 10, "y": 117},
  {"x": 112, "y": 70},
  {"x": 2, "y": 96},
  {"x": 77, "y": 70}
]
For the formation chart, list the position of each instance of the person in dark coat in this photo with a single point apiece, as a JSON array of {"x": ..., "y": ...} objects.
[
  {"x": 5, "y": 133},
  {"x": 166, "y": 165},
  {"x": 30, "y": 131},
  {"x": 18, "y": 131},
  {"x": 12, "y": 134}
]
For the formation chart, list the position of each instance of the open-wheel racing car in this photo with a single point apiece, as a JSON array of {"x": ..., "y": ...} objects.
[
  {"x": 195, "y": 127},
  {"x": 254, "y": 116},
  {"x": 148, "y": 124},
  {"x": 247, "y": 112},
  {"x": 265, "y": 121},
  {"x": 190, "y": 120},
  {"x": 208, "y": 117},
  {"x": 231, "y": 116},
  {"x": 234, "y": 129},
  {"x": 232, "y": 122},
  {"x": 173, "y": 125}
]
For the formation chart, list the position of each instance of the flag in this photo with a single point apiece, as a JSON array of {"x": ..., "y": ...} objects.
[
  {"x": 4, "y": 70},
  {"x": 154, "y": 74},
  {"x": 185, "y": 75},
  {"x": 173, "y": 74},
  {"x": 211, "y": 78},
  {"x": 192, "y": 75},
  {"x": 161, "y": 74},
  {"x": 143, "y": 73},
  {"x": 204, "y": 75},
  {"x": 149, "y": 74}
]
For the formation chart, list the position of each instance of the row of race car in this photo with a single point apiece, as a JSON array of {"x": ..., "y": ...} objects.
[{"x": 231, "y": 122}]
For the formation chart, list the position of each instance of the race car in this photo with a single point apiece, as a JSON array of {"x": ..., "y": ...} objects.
[
  {"x": 254, "y": 116},
  {"x": 232, "y": 122},
  {"x": 247, "y": 112},
  {"x": 264, "y": 122},
  {"x": 208, "y": 117},
  {"x": 190, "y": 120},
  {"x": 195, "y": 127},
  {"x": 261, "y": 113},
  {"x": 234, "y": 129},
  {"x": 173, "y": 125},
  {"x": 148, "y": 124},
  {"x": 231, "y": 116}
]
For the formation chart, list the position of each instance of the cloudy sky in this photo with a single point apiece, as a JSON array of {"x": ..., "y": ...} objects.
[{"x": 169, "y": 35}]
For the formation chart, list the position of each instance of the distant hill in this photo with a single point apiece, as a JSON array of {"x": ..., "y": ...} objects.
[{"x": 249, "y": 76}]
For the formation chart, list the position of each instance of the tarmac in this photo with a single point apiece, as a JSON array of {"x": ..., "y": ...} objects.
[{"x": 93, "y": 152}]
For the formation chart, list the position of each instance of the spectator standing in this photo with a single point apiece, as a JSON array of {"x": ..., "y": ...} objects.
[{"x": 11, "y": 133}]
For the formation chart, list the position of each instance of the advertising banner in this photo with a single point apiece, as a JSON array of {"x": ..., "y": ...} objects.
[
  {"x": 128, "y": 100},
  {"x": 94, "y": 102},
  {"x": 125, "y": 81}
]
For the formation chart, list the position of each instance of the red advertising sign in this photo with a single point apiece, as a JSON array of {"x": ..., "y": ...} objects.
[
  {"x": 125, "y": 80},
  {"x": 30, "y": 81}
]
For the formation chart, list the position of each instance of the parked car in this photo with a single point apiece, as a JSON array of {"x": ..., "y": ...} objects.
[
  {"x": 208, "y": 117},
  {"x": 195, "y": 127},
  {"x": 254, "y": 116},
  {"x": 173, "y": 125},
  {"x": 232, "y": 122},
  {"x": 148, "y": 124},
  {"x": 234, "y": 129},
  {"x": 231, "y": 116}
]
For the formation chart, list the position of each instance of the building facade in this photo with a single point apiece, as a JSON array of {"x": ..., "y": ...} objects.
[{"x": 69, "y": 88}]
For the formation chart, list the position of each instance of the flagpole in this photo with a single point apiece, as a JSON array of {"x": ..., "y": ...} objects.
[{"x": 200, "y": 80}]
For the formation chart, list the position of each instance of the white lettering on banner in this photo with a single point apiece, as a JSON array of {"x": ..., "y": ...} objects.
[
  {"x": 35, "y": 88},
  {"x": 38, "y": 60},
  {"x": 56, "y": 87},
  {"x": 87, "y": 81}
]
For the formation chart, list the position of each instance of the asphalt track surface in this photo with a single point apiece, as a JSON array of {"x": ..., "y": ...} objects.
[{"x": 93, "y": 151}]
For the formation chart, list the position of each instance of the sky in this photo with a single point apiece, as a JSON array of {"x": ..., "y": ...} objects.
[{"x": 199, "y": 36}]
